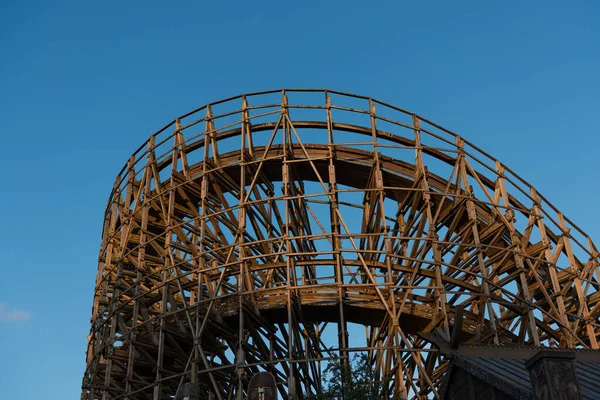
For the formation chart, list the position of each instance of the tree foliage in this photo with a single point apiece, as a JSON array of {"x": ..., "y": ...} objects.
[{"x": 354, "y": 380}]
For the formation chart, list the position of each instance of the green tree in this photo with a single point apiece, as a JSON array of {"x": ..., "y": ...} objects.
[{"x": 354, "y": 380}]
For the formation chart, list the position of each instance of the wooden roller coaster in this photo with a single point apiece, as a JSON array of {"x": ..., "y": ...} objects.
[{"x": 284, "y": 230}]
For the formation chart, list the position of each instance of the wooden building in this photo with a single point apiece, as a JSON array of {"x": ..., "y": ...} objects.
[{"x": 500, "y": 373}]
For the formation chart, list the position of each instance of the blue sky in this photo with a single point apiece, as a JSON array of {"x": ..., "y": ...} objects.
[{"x": 83, "y": 84}]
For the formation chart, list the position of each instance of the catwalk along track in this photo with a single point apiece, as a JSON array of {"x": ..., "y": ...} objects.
[{"x": 284, "y": 230}]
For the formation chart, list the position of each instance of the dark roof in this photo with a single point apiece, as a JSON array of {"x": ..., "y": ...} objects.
[
  {"x": 511, "y": 375},
  {"x": 588, "y": 374}
]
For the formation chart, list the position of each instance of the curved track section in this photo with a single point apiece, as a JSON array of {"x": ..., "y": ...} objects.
[{"x": 283, "y": 230}]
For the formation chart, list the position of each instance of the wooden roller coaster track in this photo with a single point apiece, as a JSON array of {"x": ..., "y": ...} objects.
[{"x": 283, "y": 230}]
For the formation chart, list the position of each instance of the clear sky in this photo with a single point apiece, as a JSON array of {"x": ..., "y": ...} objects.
[{"x": 83, "y": 84}]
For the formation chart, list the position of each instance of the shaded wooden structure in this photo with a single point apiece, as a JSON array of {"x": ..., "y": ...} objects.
[
  {"x": 253, "y": 234},
  {"x": 511, "y": 373}
]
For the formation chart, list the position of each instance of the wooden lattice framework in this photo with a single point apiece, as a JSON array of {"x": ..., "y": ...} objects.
[{"x": 277, "y": 231}]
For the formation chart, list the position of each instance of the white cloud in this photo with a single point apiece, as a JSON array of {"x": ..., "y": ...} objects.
[{"x": 12, "y": 314}]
